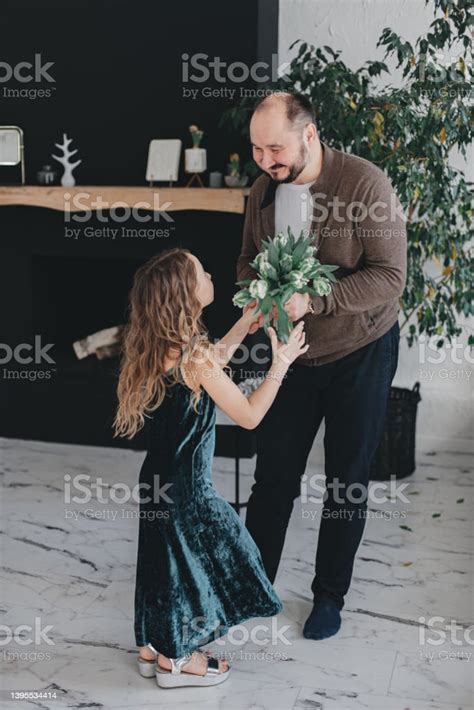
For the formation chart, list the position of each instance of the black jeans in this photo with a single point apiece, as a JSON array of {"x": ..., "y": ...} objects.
[{"x": 351, "y": 395}]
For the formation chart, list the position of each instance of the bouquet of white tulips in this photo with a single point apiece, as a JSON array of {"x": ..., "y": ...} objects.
[{"x": 284, "y": 266}]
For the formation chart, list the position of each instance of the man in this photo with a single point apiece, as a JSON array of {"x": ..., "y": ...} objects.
[{"x": 348, "y": 207}]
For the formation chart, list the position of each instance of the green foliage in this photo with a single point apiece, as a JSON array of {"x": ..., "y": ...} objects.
[{"x": 409, "y": 132}]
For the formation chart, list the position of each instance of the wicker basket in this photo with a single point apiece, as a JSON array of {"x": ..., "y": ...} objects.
[{"x": 395, "y": 455}]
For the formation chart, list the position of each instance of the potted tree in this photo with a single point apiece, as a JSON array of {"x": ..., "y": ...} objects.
[{"x": 410, "y": 132}]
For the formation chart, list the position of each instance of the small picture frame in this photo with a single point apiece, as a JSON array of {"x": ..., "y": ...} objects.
[
  {"x": 163, "y": 160},
  {"x": 12, "y": 150}
]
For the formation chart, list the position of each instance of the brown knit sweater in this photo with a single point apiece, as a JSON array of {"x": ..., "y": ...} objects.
[{"x": 357, "y": 224}]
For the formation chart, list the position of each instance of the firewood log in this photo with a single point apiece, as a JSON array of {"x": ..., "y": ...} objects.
[
  {"x": 108, "y": 351},
  {"x": 102, "y": 339}
]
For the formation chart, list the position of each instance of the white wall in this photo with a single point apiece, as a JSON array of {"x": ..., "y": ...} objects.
[{"x": 353, "y": 26}]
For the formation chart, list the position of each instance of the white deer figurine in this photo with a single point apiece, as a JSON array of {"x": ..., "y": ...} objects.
[{"x": 67, "y": 179}]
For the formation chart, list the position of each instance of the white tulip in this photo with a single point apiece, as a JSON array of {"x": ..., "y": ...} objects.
[
  {"x": 258, "y": 288},
  {"x": 322, "y": 287}
]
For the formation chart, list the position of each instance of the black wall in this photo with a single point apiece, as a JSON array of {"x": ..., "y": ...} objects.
[
  {"x": 117, "y": 84},
  {"x": 118, "y": 78}
]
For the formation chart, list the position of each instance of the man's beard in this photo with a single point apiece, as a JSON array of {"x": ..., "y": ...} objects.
[{"x": 296, "y": 168}]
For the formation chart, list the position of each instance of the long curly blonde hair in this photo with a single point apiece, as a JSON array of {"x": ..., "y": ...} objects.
[{"x": 164, "y": 322}]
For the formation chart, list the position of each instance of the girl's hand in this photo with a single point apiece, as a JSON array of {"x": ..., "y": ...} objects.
[
  {"x": 252, "y": 321},
  {"x": 287, "y": 353}
]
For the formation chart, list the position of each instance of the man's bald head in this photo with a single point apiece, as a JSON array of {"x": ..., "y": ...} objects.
[{"x": 296, "y": 108}]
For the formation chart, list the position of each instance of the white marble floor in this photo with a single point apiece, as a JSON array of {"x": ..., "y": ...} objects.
[{"x": 68, "y": 569}]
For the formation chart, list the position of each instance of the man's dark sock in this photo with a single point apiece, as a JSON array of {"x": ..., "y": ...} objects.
[{"x": 324, "y": 620}]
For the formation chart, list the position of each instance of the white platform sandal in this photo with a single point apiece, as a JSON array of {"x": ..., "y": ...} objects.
[
  {"x": 147, "y": 668},
  {"x": 175, "y": 677}
]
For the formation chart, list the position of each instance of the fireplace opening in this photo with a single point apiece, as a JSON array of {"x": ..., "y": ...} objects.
[{"x": 76, "y": 296}]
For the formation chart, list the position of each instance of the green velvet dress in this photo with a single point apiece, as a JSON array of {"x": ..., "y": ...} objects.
[{"x": 199, "y": 572}]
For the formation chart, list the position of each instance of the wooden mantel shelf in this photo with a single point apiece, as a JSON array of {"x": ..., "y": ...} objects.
[{"x": 82, "y": 198}]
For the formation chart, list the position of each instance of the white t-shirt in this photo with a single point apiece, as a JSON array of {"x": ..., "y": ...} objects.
[{"x": 293, "y": 207}]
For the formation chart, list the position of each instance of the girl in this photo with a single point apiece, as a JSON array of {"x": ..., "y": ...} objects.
[{"x": 199, "y": 572}]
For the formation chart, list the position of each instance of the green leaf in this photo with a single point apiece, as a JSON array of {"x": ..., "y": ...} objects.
[
  {"x": 299, "y": 251},
  {"x": 283, "y": 325},
  {"x": 266, "y": 305},
  {"x": 273, "y": 256}
]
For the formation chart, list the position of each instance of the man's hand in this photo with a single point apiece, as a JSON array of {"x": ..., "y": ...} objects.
[
  {"x": 297, "y": 306},
  {"x": 256, "y": 321}
]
